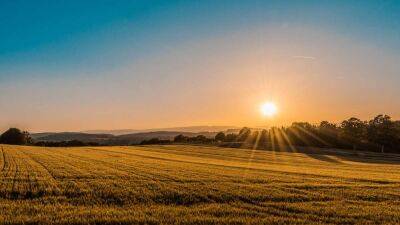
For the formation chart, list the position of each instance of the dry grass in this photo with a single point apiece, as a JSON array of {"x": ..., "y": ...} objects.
[{"x": 194, "y": 185}]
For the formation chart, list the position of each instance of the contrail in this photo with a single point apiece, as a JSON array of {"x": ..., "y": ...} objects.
[{"x": 303, "y": 57}]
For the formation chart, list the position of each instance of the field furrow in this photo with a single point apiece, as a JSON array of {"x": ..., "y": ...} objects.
[{"x": 193, "y": 185}]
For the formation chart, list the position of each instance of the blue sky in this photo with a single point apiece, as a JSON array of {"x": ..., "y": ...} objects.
[
  {"x": 50, "y": 35},
  {"x": 70, "y": 41}
]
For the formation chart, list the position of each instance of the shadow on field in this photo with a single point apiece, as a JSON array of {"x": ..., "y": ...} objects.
[
  {"x": 322, "y": 157},
  {"x": 350, "y": 155},
  {"x": 365, "y": 158},
  {"x": 329, "y": 155}
]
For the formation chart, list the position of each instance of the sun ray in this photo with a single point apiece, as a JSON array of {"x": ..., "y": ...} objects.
[
  {"x": 313, "y": 136},
  {"x": 285, "y": 136},
  {"x": 281, "y": 142},
  {"x": 254, "y": 148},
  {"x": 272, "y": 138},
  {"x": 298, "y": 135}
]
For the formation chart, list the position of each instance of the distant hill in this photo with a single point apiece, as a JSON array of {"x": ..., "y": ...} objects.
[
  {"x": 126, "y": 139},
  {"x": 37, "y": 136},
  {"x": 113, "y": 132},
  {"x": 136, "y": 138},
  {"x": 191, "y": 129},
  {"x": 68, "y": 136}
]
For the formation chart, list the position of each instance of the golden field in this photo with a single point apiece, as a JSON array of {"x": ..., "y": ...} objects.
[{"x": 182, "y": 184}]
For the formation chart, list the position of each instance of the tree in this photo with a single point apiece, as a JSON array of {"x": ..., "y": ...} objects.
[
  {"x": 353, "y": 129},
  {"x": 244, "y": 134},
  {"x": 201, "y": 138},
  {"x": 254, "y": 138},
  {"x": 397, "y": 128},
  {"x": 263, "y": 138},
  {"x": 382, "y": 130},
  {"x": 14, "y": 136},
  {"x": 303, "y": 134},
  {"x": 303, "y": 125},
  {"x": 327, "y": 127},
  {"x": 231, "y": 137},
  {"x": 150, "y": 141},
  {"x": 329, "y": 132},
  {"x": 180, "y": 138},
  {"x": 220, "y": 136}
]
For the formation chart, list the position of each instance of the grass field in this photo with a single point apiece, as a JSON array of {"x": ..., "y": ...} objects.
[{"x": 194, "y": 185}]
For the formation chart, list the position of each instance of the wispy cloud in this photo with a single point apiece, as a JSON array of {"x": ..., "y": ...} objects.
[{"x": 303, "y": 57}]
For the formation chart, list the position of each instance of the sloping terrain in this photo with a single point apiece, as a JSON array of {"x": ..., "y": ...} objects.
[
  {"x": 190, "y": 129},
  {"x": 194, "y": 185},
  {"x": 126, "y": 139},
  {"x": 69, "y": 136}
]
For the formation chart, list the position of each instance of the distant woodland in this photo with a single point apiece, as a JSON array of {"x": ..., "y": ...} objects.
[{"x": 380, "y": 134}]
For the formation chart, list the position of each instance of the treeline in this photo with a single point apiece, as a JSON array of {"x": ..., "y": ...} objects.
[
  {"x": 379, "y": 134},
  {"x": 15, "y": 136},
  {"x": 199, "y": 139}
]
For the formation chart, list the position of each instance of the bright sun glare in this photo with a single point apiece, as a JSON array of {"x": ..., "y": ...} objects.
[{"x": 268, "y": 109}]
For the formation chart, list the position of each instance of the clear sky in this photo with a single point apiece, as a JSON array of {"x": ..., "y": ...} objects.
[{"x": 80, "y": 65}]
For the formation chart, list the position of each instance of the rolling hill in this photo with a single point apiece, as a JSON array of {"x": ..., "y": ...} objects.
[
  {"x": 126, "y": 139},
  {"x": 68, "y": 136},
  {"x": 189, "y": 129}
]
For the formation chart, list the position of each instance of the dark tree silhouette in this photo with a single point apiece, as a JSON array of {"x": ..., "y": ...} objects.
[
  {"x": 253, "y": 138},
  {"x": 155, "y": 141},
  {"x": 327, "y": 127},
  {"x": 14, "y": 136},
  {"x": 382, "y": 131},
  {"x": 199, "y": 139},
  {"x": 353, "y": 130},
  {"x": 220, "y": 136},
  {"x": 231, "y": 137},
  {"x": 244, "y": 134},
  {"x": 180, "y": 138},
  {"x": 329, "y": 132},
  {"x": 303, "y": 134},
  {"x": 263, "y": 140}
]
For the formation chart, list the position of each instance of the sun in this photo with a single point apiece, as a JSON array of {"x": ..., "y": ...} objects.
[{"x": 268, "y": 109}]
